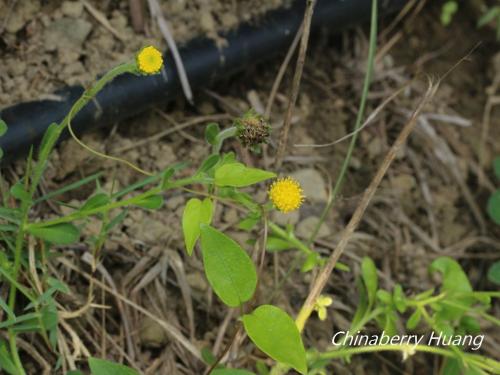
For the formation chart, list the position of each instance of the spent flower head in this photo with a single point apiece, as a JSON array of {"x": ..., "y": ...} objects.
[
  {"x": 286, "y": 194},
  {"x": 253, "y": 129},
  {"x": 149, "y": 60}
]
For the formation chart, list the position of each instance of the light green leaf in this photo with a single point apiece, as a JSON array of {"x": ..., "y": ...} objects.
[
  {"x": 274, "y": 244},
  {"x": 229, "y": 269},
  {"x": 369, "y": 275},
  {"x": 153, "y": 202},
  {"x": 230, "y": 371},
  {"x": 61, "y": 234},
  {"x": 208, "y": 163},
  {"x": 455, "y": 282},
  {"x": 496, "y": 166},
  {"x": 414, "y": 319},
  {"x": 494, "y": 273},
  {"x": 6, "y": 361},
  {"x": 211, "y": 132},
  {"x": 274, "y": 332},
  {"x": 494, "y": 207},
  {"x": 95, "y": 201},
  {"x": 195, "y": 213},
  {"x": 103, "y": 367},
  {"x": 238, "y": 175},
  {"x": 3, "y": 127}
]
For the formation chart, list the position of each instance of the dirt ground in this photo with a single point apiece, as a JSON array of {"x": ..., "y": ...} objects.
[{"x": 431, "y": 203}]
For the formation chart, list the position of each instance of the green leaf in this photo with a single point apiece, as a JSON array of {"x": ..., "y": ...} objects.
[
  {"x": 210, "y": 162},
  {"x": 369, "y": 275},
  {"x": 48, "y": 141},
  {"x": 74, "y": 372},
  {"x": 414, "y": 319},
  {"x": 494, "y": 273},
  {"x": 277, "y": 244},
  {"x": 384, "y": 296},
  {"x": 496, "y": 166},
  {"x": 274, "y": 332},
  {"x": 7, "y": 309},
  {"x": 312, "y": 260},
  {"x": 492, "y": 13},
  {"x": 3, "y": 127},
  {"x": 238, "y": 175},
  {"x": 19, "y": 193},
  {"x": 229, "y": 269},
  {"x": 61, "y": 234},
  {"x": 152, "y": 202},
  {"x": 470, "y": 324},
  {"x": 211, "y": 132},
  {"x": 195, "y": 213},
  {"x": 454, "y": 282},
  {"x": 230, "y": 371},
  {"x": 103, "y": 367},
  {"x": 494, "y": 207},
  {"x": 399, "y": 298},
  {"x": 6, "y": 361},
  {"x": 95, "y": 201}
]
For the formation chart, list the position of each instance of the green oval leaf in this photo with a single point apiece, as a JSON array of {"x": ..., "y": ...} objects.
[
  {"x": 103, "y": 367},
  {"x": 195, "y": 213},
  {"x": 153, "y": 202},
  {"x": 238, "y": 175},
  {"x": 494, "y": 273},
  {"x": 494, "y": 207},
  {"x": 61, "y": 234},
  {"x": 211, "y": 132},
  {"x": 229, "y": 269},
  {"x": 275, "y": 333}
]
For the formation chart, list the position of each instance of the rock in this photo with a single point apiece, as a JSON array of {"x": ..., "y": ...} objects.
[
  {"x": 282, "y": 219},
  {"x": 151, "y": 334},
  {"x": 306, "y": 227},
  {"x": 23, "y": 12},
  {"x": 72, "y": 9},
  {"x": 197, "y": 281},
  {"x": 207, "y": 21},
  {"x": 312, "y": 183},
  {"x": 66, "y": 33}
]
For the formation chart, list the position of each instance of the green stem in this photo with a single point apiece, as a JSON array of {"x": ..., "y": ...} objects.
[
  {"x": 359, "y": 118},
  {"x": 78, "y": 215},
  {"x": 222, "y": 136}
]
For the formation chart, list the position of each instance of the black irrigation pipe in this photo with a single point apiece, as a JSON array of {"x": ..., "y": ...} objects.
[{"x": 128, "y": 95}]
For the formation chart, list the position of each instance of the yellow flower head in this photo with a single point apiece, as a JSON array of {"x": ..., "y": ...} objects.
[
  {"x": 286, "y": 194},
  {"x": 149, "y": 60}
]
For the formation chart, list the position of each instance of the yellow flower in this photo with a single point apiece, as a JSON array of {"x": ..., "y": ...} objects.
[
  {"x": 149, "y": 60},
  {"x": 286, "y": 194},
  {"x": 320, "y": 306}
]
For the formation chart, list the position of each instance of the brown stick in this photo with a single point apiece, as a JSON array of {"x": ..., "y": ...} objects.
[
  {"x": 296, "y": 83},
  {"x": 325, "y": 273}
]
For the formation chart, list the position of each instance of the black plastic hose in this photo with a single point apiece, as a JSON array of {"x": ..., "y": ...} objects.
[{"x": 128, "y": 95}]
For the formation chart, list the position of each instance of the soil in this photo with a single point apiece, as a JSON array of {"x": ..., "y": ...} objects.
[{"x": 431, "y": 203}]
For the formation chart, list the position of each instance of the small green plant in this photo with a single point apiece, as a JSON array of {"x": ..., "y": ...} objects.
[
  {"x": 492, "y": 15},
  {"x": 493, "y": 209}
]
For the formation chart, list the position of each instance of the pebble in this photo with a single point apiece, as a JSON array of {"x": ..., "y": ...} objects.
[
  {"x": 306, "y": 227},
  {"x": 66, "y": 33},
  {"x": 312, "y": 183},
  {"x": 73, "y": 9}
]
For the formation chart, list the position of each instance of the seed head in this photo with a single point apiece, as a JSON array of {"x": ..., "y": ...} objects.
[{"x": 253, "y": 129}]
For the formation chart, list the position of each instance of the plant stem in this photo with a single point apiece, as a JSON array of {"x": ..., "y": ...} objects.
[{"x": 361, "y": 111}]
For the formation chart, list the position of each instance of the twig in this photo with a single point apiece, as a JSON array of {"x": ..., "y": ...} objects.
[
  {"x": 281, "y": 72},
  {"x": 156, "y": 12},
  {"x": 102, "y": 20},
  {"x": 136, "y": 15},
  {"x": 368, "y": 121},
  {"x": 325, "y": 273},
  {"x": 296, "y": 83}
]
